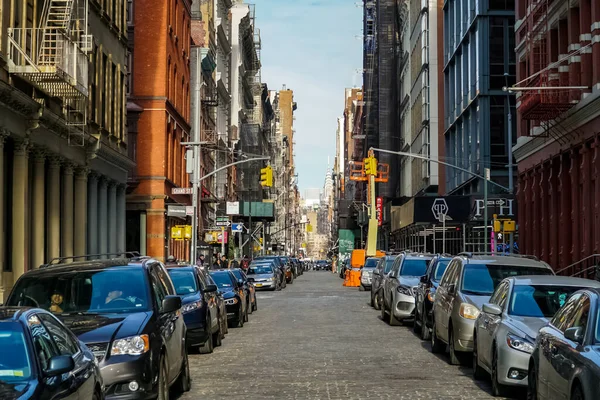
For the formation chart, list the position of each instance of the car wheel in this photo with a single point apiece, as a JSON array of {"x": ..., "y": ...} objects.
[
  {"x": 437, "y": 346},
  {"x": 498, "y": 390},
  {"x": 163, "y": 384},
  {"x": 250, "y": 307},
  {"x": 478, "y": 372},
  {"x": 255, "y": 305},
  {"x": 532, "y": 383},
  {"x": 97, "y": 396},
  {"x": 207, "y": 347},
  {"x": 240, "y": 320},
  {"x": 393, "y": 321},
  {"x": 184, "y": 381},
  {"x": 216, "y": 337},
  {"x": 377, "y": 299},
  {"x": 417, "y": 327},
  {"x": 278, "y": 286},
  {"x": 372, "y": 299},
  {"x": 577, "y": 393},
  {"x": 454, "y": 357},
  {"x": 382, "y": 308},
  {"x": 246, "y": 319},
  {"x": 425, "y": 334}
]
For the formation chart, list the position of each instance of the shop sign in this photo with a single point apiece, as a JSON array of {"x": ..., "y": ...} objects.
[{"x": 379, "y": 210}]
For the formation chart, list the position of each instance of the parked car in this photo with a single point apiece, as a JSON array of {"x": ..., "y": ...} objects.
[
  {"x": 121, "y": 309},
  {"x": 264, "y": 276},
  {"x": 366, "y": 273},
  {"x": 284, "y": 268},
  {"x": 467, "y": 284},
  {"x": 199, "y": 307},
  {"x": 398, "y": 286},
  {"x": 323, "y": 265},
  {"x": 235, "y": 298},
  {"x": 425, "y": 293},
  {"x": 220, "y": 303},
  {"x": 507, "y": 327},
  {"x": 248, "y": 286},
  {"x": 298, "y": 266},
  {"x": 383, "y": 268},
  {"x": 42, "y": 359},
  {"x": 565, "y": 361}
]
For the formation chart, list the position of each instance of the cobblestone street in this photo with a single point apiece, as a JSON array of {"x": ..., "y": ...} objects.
[{"x": 319, "y": 340}]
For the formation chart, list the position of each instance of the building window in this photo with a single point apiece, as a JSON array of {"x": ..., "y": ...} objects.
[
  {"x": 174, "y": 94},
  {"x": 508, "y": 5},
  {"x": 129, "y": 84},
  {"x": 130, "y": 11}
]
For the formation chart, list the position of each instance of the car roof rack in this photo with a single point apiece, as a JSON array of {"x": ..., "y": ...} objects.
[
  {"x": 470, "y": 254},
  {"x": 122, "y": 255}
]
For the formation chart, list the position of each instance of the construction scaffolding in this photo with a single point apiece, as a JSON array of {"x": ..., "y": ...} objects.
[{"x": 53, "y": 57}]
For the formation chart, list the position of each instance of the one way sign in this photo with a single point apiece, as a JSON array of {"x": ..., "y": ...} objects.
[{"x": 237, "y": 227}]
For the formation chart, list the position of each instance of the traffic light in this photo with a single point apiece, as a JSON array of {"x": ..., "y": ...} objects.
[
  {"x": 266, "y": 176},
  {"x": 370, "y": 166}
]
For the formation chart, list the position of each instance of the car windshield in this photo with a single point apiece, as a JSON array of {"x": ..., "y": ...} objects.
[
  {"x": 184, "y": 281},
  {"x": 439, "y": 269},
  {"x": 482, "y": 279},
  {"x": 15, "y": 363},
  {"x": 414, "y": 267},
  {"x": 222, "y": 279},
  {"x": 260, "y": 269},
  {"x": 371, "y": 263},
  {"x": 238, "y": 274},
  {"x": 538, "y": 300},
  {"x": 388, "y": 265},
  {"x": 116, "y": 289}
]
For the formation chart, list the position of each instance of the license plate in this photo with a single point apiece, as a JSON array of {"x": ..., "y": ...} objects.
[{"x": 258, "y": 284}]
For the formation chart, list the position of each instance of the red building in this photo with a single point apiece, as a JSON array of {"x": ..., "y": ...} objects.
[{"x": 558, "y": 147}]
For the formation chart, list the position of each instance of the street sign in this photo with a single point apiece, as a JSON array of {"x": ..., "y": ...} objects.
[
  {"x": 222, "y": 221},
  {"x": 233, "y": 208},
  {"x": 238, "y": 227},
  {"x": 176, "y": 211},
  {"x": 440, "y": 209},
  {"x": 189, "y": 210},
  {"x": 182, "y": 191}
]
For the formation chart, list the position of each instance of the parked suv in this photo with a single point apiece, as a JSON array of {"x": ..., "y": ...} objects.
[
  {"x": 467, "y": 284},
  {"x": 379, "y": 273},
  {"x": 121, "y": 309},
  {"x": 399, "y": 285},
  {"x": 200, "y": 310},
  {"x": 366, "y": 273},
  {"x": 425, "y": 293}
]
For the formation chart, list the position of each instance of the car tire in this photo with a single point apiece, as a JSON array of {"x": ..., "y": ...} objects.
[
  {"x": 425, "y": 333},
  {"x": 249, "y": 307},
  {"x": 246, "y": 318},
  {"x": 577, "y": 393},
  {"x": 393, "y": 321},
  {"x": 498, "y": 390},
  {"x": 417, "y": 323},
  {"x": 207, "y": 347},
  {"x": 372, "y": 299},
  {"x": 382, "y": 308},
  {"x": 240, "y": 320},
  {"x": 278, "y": 286},
  {"x": 437, "y": 346},
  {"x": 532, "y": 383},
  {"x": 163, "y": 382},
  {"x": 478, "y": 372},
  {"x": 217, "y": 338},
  {"x": 184, "y": 381},
  {"x": 255, "y": 305},
  {"x": 455, "y": 358},
  {"x": 377, "y": 299},
  {"x": 291, "y": 282}
]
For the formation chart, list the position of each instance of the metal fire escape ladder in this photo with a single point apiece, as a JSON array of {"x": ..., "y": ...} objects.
[{"x": 56, "y": 21}]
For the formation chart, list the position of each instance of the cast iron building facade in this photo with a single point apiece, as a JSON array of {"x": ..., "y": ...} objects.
[{"x": 478, "y": 51}]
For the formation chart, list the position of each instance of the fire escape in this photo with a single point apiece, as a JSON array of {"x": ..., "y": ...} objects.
[
  {"x": 540, "y": 104},
  {"x": 53, "y": 58}
]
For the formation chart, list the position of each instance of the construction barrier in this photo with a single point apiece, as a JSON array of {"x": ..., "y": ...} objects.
[{"x": 352, "y": 278}]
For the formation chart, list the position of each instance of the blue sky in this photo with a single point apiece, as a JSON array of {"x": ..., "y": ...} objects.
[{"x": 311, "y": 46}]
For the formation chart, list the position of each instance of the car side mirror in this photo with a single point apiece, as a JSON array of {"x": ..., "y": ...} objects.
[
  {"x": 171, "y": 304},
  {"x": 575, "y": 334},
  {"x": 210, "y": 288},
  {"x": 375, "y": 272},
  {"x": 424, "y": 279},
  {"x": 59, "y": 365},
  {"x": 240, "y": 282},
  {"x": 492, "y": 309},
  {"x": 451, "y": 288}
]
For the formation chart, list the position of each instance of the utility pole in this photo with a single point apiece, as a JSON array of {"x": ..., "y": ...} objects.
[
  {"x": 510, "y": 155},
  {"x": 486, "y": 178},
  {"x": 196, "y": 155}
]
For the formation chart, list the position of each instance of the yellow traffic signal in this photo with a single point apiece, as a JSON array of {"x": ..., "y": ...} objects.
[
  {"x": 266, "y": 176},
  {"x": 370, "y": 166}
]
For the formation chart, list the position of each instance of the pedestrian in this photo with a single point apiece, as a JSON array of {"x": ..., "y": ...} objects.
[
  {"x": 217, "y": 263},
  {"x": 200, "y": 261},
  {"x": 224, "y": 263},
  {"x": 171, "y": 261},
  {"x": 245, "y": 262}
]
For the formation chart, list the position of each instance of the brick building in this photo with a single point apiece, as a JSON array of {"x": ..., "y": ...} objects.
[
  {"x": 558, "y": 144},
  {"x": 161, "y": 90}
]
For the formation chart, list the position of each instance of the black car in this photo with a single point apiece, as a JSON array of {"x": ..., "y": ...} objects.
[
  {"x": 425, "y": 294},
  {"x": 126, "y": 311},
  {"x": 248, "y": 286},
  {"x": 233, "y": 293},
  {"x": 199, "y": 307},
  {"x": 323, "y": 265},
  {"x": 42, "y": 359},
  {"x": 283, "y": 267}
]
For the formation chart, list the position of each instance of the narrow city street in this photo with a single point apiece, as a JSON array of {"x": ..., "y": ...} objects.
[{"x": 319, "y": 340}]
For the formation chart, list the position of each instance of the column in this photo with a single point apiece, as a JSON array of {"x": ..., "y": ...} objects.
[
  {"x": 38, "y": 210},
  {"x": 53, "y": 209},
  {"x": 595, "y": 28},
  {"x": 564, "y": 187},
  {"x": 19, "y": 208},
  {"x": 112, "y": 217},
  {"x": 143, "y": 233},
  {"x": 596, "y": 193},
  {"x": 66, "y": 226},
  {"x": 121, "y": 218},
  {"x": 102, "y": 216},
  {"x": 3, "y": 135},
  {"x": 543, "y": 221},
  {"x": 573, "y": 223},
  {"x": 554, "y": 210},
  {"x": 92, "y": 214},
  {"x": 80, "y": 210}
]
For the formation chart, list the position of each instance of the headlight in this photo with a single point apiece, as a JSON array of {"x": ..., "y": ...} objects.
[
  {"x": 186, "y": 308},
  {"x": 231, "y": 301},
  {"x": 518, "y": 343},
  {"x": 468, "y": 311},
  {"x": 405, "y": 290},
  {"x": 271, "y": 279},
  {"x": 431, "y": 295},
  {"x": 133, "y": 346}
]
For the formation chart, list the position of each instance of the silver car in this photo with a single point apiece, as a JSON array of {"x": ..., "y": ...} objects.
[
  {"x": 263, "y": 276},
  {"x": 507, "y": 327},
  {"x": 366, "y": 273},
  {"x": 399, "y": 285},
  {"x": 384, "y": 266},
  {"x": 466, "y": 285}
]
